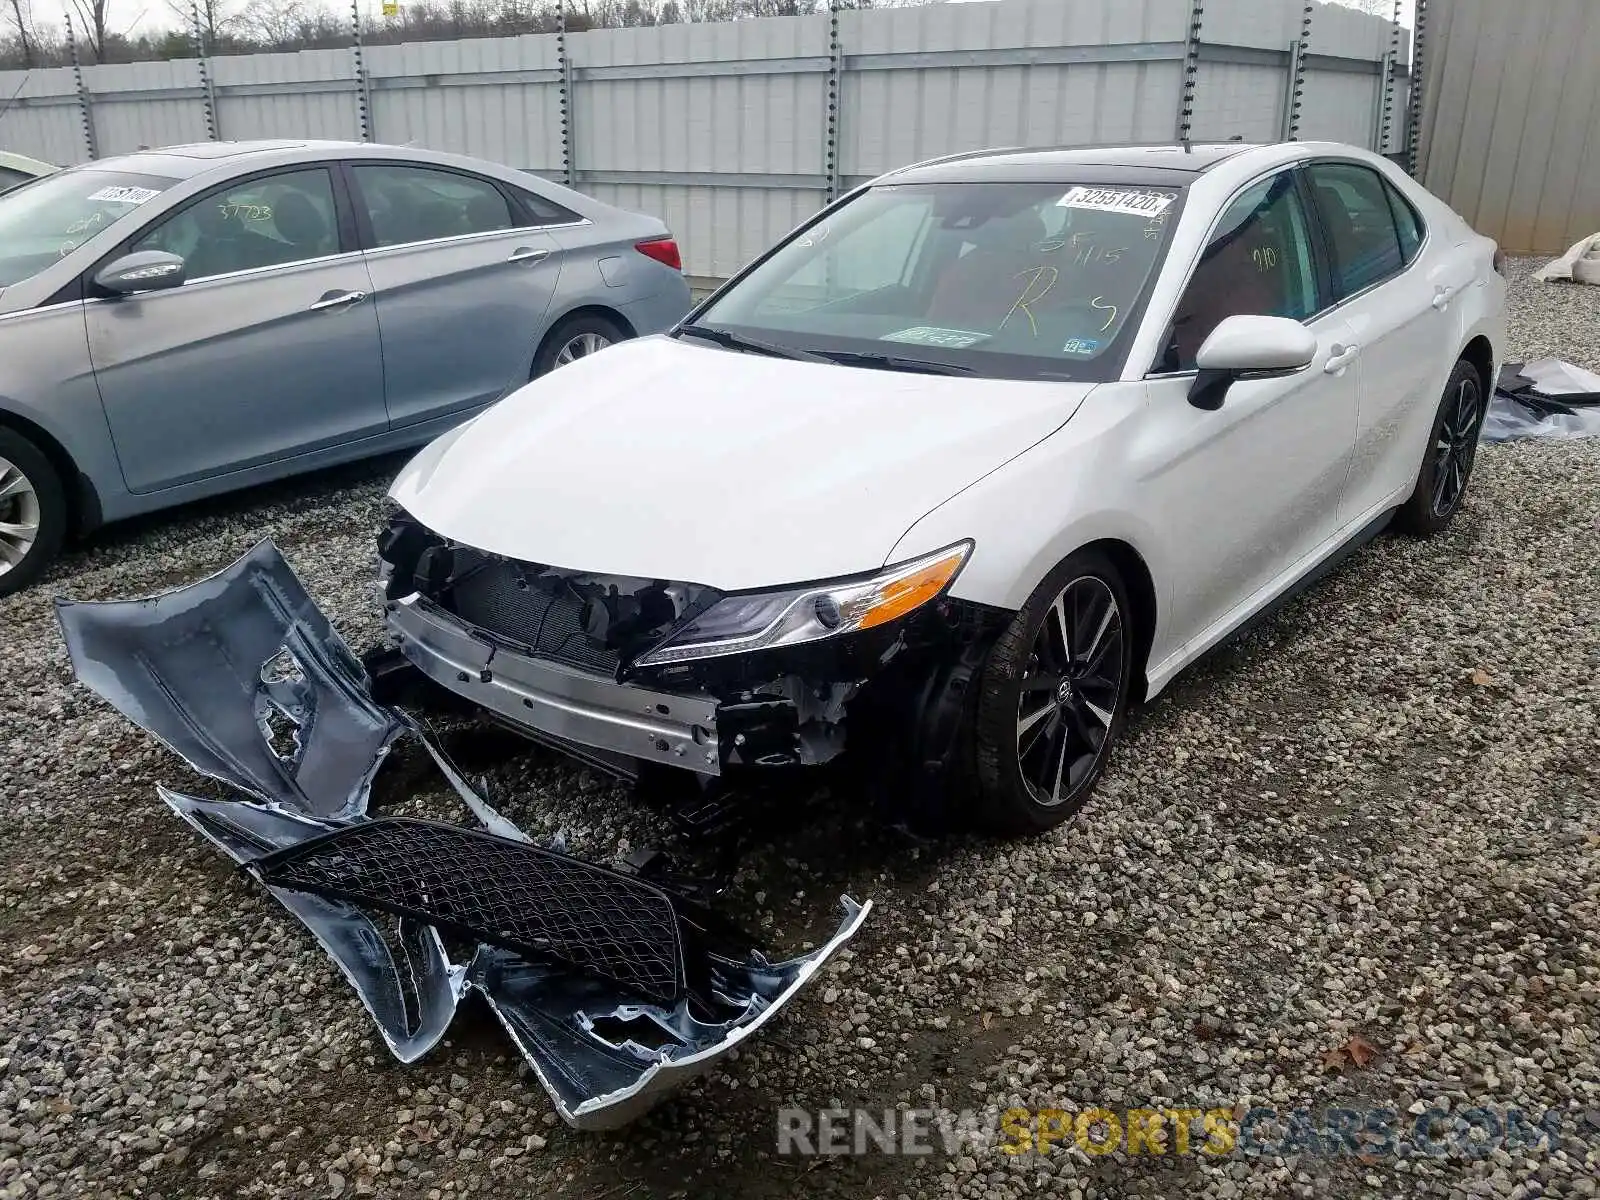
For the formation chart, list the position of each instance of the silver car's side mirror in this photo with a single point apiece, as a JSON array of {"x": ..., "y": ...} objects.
[
  {"x": 141, "y": 271},
  {"x": 1249, "y": 347}
]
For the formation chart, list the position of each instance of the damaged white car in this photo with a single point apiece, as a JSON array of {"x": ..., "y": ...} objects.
[
  {"x": 984, "y": 453},
  {"x": 971, "y": 462}
]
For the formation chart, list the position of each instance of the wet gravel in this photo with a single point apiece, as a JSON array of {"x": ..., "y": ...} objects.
[{"x": 1352, "y": 862}]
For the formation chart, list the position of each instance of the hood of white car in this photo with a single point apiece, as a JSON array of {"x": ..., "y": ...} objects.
[{"x": 668, "y": 459}]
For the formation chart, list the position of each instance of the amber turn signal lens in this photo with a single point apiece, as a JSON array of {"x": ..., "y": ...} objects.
[{"x": 897, "y": 597}]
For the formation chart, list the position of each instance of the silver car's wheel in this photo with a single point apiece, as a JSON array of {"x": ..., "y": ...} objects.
[
  {"x": 19, "y": 515},
  {"x": 33, "y": 511},
  {"x": 581, "y": 346}
]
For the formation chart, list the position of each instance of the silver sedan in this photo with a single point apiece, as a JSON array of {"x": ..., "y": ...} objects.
[{"x": 186, "y": 321}]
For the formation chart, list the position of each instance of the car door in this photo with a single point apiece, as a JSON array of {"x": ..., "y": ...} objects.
[
  {"x": 462, "y": 281},
  {"x": 1249, "y": 492},
  {"x": 1396, "y": 294},
  {"x": 269, "y": 349}
]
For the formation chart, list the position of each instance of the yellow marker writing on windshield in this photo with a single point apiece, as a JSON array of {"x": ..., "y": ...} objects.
[{"x": 1035, "y": 274}]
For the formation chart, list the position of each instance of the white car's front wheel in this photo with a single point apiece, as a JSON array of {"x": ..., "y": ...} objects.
[{"x": 1053, "y": 697}]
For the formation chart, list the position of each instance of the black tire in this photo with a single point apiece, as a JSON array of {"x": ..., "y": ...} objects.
[
  {"x": 1447, "y": 462},
  {"x": 1069, "y": 732},
  {"x": 580, "y": 329},
  {"x": 42, "y": 506}
]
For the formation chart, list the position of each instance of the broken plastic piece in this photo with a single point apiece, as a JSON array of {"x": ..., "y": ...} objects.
[
  {"x": 615, "y": 990},
  {"x": 206, "y": 669}
]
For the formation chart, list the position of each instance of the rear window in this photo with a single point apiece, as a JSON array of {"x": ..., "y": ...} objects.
[
  {"x": 1018, "y": 280},
  {"x": 50, "y": 218}
]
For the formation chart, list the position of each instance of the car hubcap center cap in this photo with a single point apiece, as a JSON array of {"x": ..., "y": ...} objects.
[{"x": 1064, "y": 691}]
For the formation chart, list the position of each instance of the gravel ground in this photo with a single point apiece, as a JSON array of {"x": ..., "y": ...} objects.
[{"x": 1374, "y": 819}]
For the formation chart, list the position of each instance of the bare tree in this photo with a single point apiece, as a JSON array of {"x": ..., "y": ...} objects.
[
  {"x": 22, "y": 17},
  {"x": 215, "y": 18},
  {"x": 92, "y": 19}
]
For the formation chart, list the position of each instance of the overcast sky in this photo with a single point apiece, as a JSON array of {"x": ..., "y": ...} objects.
[{"x": 131, "y": 16}]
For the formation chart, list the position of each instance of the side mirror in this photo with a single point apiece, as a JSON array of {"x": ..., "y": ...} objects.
[
  {"x": 1246, "y": 347},
  {"x": 141, "y": 271}
]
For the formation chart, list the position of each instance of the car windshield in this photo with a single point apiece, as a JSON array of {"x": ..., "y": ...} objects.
[
  {"x": 1014, "y": 280},
  {"x": 50, "y": 217}
]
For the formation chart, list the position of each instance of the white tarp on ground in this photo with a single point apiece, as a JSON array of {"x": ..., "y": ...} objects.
[{"x": 1581, "y": 264}]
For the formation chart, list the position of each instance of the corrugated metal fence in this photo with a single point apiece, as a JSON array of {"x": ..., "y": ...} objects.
[
  {"x": 1508, "y": 131},
  {"x": 735, "y": 132}
]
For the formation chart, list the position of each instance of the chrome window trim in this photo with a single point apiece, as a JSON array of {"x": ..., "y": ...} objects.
[{"x": 481, "y": 234}]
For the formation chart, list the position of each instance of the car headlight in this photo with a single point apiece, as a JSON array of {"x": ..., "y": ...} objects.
[{"x": 766, "y": 620}]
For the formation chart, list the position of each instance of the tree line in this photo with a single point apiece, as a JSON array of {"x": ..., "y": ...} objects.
[{"x": 101, "y": 28}]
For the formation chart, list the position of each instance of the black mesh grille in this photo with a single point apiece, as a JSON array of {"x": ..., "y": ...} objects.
[
  {"x": 533, "y": 901},
  {"x": 541, "y": 612}
]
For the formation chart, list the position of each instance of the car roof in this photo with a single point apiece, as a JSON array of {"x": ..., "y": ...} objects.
[
  {"x": 182, "y": 162},
  {"x": 21, "y": 162},
  {"x": 1167, "y": 164}
]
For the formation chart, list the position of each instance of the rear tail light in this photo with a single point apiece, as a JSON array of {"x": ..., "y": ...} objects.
[
  {"x": 1499, "y": 261},
  {"x": 663, "y": 249}
]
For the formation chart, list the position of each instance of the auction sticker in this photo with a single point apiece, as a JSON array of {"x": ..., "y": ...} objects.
[
  {"x": 927, "y": 335},
  {"x": 124, "y": 195},
  {"x": 1118, "y": 200}
]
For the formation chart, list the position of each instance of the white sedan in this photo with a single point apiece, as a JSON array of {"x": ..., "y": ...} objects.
[{"x": 980, "y": 456}]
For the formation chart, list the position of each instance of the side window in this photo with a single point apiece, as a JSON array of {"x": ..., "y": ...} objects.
[
  {"x": 1354, "y": 207},
  {"x": 545, "y": 212},
  {"x": 10, "y": 179},
  {"x": 1407, "y": 221},
  {"x": 1258, "y": 263},
  {"x": 418, "y": 204},
  {"x": 263, "y": 222}
]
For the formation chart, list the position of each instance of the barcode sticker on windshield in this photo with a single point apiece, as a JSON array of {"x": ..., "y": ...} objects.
[
  {"x": 124, "y": 195},
  {"x": 1135, "y": 204},
  {"x": 927, "y": 335}
]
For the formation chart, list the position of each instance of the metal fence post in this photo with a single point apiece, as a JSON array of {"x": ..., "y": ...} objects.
[
  {"x": 1191, "y": 69},
  {"x": 208, "y": 96},
  {"x": 1418, "y": 80},
  {"x": 569, "y": 166},
  {"x": 1391, "y": 70},
  {"x": 835, "y": 100},
  {"x": 363, "y": 90},
  {"x": 1294, "y": 98},
  {"x": 85, "y": 111}
]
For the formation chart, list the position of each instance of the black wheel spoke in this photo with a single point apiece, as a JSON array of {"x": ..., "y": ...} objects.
[{"x": 1070, "y": 690}]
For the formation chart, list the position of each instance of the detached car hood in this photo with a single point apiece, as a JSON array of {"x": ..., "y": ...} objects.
[{"x": 669, "y": 459}]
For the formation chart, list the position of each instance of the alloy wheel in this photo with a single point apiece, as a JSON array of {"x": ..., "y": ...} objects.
[
  {"x": 1070, "y": 690},
  {"x": 581, "y": 346},
  {"x": 19, "y": 516},
  {"x": 1455, "y": 448}
]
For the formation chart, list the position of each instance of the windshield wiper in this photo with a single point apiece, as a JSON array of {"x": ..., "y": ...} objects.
[
  {"x": 729, "y": 340},
  {"x": 893, "y": 362}
]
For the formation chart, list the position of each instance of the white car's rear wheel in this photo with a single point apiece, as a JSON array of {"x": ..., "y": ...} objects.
[
  {"x": 1053, "y": 698},
  {"x": 1447, "y": 462}
]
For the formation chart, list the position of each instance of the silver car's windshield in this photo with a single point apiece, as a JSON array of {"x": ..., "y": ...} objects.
[
  {"x": 1015, "y": 280},
  {"x": 50, "y": 217}
]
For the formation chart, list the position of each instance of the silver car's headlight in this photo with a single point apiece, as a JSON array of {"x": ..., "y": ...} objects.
[{"x": 766, "y": 620}]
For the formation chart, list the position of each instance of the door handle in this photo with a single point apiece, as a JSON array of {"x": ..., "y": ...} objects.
[
  {"x": 528, "y": 254},
  {"x": 338, "y": 300},
  {"x": 1442, "y": 296},
  {"x": 1341, "y": 358}
]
